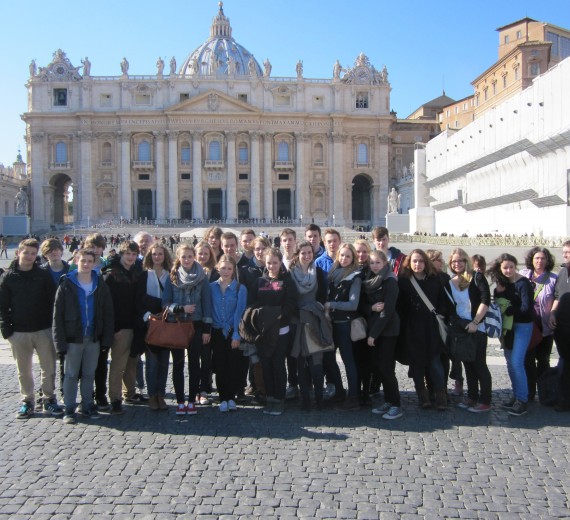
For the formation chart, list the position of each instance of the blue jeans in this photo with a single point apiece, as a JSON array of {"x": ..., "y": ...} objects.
[
  {"x": 515, "y": 360},
  {"x": 80, "y": 358},
  {"x": 157, "y": 370},
  {"x": 341, "y": 336}
]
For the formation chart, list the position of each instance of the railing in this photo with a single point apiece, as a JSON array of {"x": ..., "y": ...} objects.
[
  {"x": 60, "y": 166},
  {"x": 283, "y": 165},
  {"x": 213, "y": 164},
  {"x": 142, "y": 165}
]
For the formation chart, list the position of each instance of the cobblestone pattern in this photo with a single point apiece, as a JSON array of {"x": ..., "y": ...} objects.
[{"x": 247, "y": 465}]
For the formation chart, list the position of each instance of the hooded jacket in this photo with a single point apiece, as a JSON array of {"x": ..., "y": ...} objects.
[{"x": 77, "y": 314}]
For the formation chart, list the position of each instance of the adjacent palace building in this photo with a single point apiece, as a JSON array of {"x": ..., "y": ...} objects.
[{"x": 217, "y": 137}]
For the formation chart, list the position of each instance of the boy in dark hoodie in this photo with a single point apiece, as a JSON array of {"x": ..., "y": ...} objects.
[{"x": 83, "y": 320}]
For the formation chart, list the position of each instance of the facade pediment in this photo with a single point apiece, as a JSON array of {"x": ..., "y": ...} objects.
[{"x": 212, "y": 101}]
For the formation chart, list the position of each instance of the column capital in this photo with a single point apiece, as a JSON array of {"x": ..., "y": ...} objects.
[
  {"x": 38, "y": 137},
  {"x": 172, "y": 134},
  {"x": 85, "y": 136},
  {"x": 231, "y": 135},
  {"x": 301, "y": 136},
  {"x": 124, "y": 137},
  {"x": 254, "y": 135},
  {"x": 338, "y": 137}
]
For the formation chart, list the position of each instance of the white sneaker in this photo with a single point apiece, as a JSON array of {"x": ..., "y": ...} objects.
[
  {"x": 224, "y": 406},
  {"x": 203, "y": 399},
  {"x": 232, "y": 405}
]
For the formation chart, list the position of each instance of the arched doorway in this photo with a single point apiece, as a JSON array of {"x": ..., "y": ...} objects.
[
  {"x": 361, "y": 201},
  {"x": 215, "y": 204},
  {"x": 186, "y": 210},
  {"x": 283, "y": 209},
  {"x": 62, "y": 199},
  {"x": 243, "y": 210}
]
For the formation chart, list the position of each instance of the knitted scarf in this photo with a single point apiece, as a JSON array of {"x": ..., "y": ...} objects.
[{"x": 306, "y": 282}]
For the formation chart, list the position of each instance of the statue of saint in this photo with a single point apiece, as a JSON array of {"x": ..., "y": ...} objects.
[
  {"x": 384, "y": 74},
  {"x": 337, "y": 68},
  {"x": 231, "y": 66},
  {"x": 251, "y": 67},
  {"x": 393, "y": 201},
  {"x": 159, "y": 66},
  {"x": 33, "y": 68},
  {"x": 125, "y": 66},
  {"x": 21, "y": 202},
  {"x": 267, "y": 68},
  {"x": 173, "y": 66},
  {"x": 86, "y": 66},
  {"x": 299, "y": 69},
  {"x": 194, "y": 65}
]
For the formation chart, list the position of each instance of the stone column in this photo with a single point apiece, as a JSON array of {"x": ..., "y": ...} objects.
[
  {"x": 85, "y": 176},
  {"x": 197, "y": 207},
  {"x": 204, "y": 214},
  {"x": 160, "y": 212},
  {"x": 381, "y": 180},
  {"x": 230, "y": 208},
  {"x": 173, "y": 202},
  {"x": 40, "y": 159},
  {"x": 255, "y": 181},
  {"x": 337, "y": 190},
  {"x": 267, "y": 177},
  {"x": 301, "y": 175},
  {"x": 126, "y": 206}
]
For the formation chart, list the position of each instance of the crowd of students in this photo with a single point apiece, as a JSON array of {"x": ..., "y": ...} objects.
[{"x": 269, "y": 321}]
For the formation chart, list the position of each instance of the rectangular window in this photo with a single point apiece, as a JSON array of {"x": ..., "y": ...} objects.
[
  {"x": 282, "y": 101},
  {"x": 362, "y": 100},
  {"x": 534, "y": 69},
  {"x": 519, "y": 35},
  {"x": 494, "y": 88},
  {"x": 106, "y": 100},
  {"x": 243, "y": 159},
  {"x": 144, "y": 177},
  {"x": 506, "y": 39},
  {"x": 517, "y": 74},
  {"x": 283, "y": 176},
  {"x": 243, "y": 176},
  {"x": 185, "y": 176},
  {"x": 184, "y": 96},
  {"x": 142, "y": 99},
  {"x": 59, "y": 97},
  {"x": 505, "y": 81},
  {"x": 242, "y": 97},
  {"x": 418, "y": 139},
  {"x": 457, "y": 124}
]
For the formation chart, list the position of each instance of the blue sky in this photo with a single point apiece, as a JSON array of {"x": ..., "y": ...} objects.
[{"x": 426, "y": 46}]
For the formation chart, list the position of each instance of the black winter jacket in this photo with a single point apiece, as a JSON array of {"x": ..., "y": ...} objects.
[
  {"x": 26, "y": 300},
  {"x": 67, "y": 325}
]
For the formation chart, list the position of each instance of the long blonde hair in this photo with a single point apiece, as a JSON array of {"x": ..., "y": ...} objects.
[
  {"x": 174, "y": 271},
  {"x": 463, "y": 279}
]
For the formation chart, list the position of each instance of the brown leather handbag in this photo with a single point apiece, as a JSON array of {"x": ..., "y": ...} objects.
[{"x": 167, "y": 330}]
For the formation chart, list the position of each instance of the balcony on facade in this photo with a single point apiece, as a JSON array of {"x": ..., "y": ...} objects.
[
  {"x": 283, "y": 165},
  {"x": 213, "y": 165},
  {"x": 142, "y": 165},
  {"x": 60, "y": 166}
]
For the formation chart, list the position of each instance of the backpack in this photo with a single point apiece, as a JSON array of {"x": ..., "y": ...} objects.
[
  {"x": 493, "y": 322},
  {"x": 548, "y": 385}
]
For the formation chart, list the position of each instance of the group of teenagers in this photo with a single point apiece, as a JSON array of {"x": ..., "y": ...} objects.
[{"x": 269, "y": 321}]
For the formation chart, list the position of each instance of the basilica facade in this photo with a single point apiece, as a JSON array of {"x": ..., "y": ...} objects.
[{"x": 215, "y": 138}]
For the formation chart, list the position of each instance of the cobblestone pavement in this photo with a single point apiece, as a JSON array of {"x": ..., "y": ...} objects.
[{"x": 324, "y": 464}]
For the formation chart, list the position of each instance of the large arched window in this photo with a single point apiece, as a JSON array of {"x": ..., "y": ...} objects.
[
  {"x": 60, "y": 153},
  {"x": 243, "y": 153},
  {"x": 215, "y": 151},
  {"x": 107, "y": 155},
  {"x": 144, "y": 151},
  {"x": 362, "y": 154},
  {"x": 283, "y": 151},
  {"x": 318, "y": 153},
  {"x": 185, "y": 156}
]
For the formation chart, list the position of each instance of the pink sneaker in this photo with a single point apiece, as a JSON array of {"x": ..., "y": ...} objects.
[
  {"x": 191, "y": 409},
  {"x": 181, "y": 409}
]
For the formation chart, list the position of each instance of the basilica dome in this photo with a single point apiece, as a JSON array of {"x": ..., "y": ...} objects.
[{"x": 220, "y": 55}]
